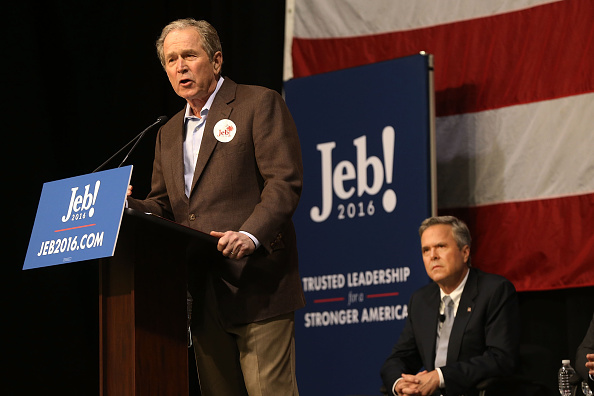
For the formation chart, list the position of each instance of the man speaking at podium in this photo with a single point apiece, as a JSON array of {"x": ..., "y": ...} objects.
[{"x": 229, "y": 164}]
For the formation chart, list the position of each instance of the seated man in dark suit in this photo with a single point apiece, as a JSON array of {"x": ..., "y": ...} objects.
[
  {"x": 472, "y": 336},
  {"x": 584, "y": 360}
]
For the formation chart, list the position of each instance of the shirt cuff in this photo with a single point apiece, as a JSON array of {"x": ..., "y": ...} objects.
[
  {"x": 253, "y": 238},
  {"x": 394, "y": 387}
]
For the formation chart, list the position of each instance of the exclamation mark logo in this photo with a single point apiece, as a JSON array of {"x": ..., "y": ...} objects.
[
  {"x": 388, "y": 139},
  {"x": 92, "y": 210}
]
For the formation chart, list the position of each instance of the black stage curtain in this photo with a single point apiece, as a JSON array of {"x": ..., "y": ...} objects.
[{"x": 80, "y": 79}]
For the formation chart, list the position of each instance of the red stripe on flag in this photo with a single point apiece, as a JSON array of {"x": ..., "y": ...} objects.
[
  {"x": 538, "y": 245},
  {"x": 525, "y": 56}
]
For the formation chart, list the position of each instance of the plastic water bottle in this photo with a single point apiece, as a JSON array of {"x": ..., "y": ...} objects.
[
  {"x": 565, "y": 373},
  {"x": 189, "y": 300}
]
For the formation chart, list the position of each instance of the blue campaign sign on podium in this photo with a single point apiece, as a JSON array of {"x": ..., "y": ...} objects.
[
  {"x": 78, "y": 218},
  {"x": 367, "y": 142}
]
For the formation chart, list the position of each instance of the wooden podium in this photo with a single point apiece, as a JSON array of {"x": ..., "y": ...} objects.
[{"x": 142, "y": 307}]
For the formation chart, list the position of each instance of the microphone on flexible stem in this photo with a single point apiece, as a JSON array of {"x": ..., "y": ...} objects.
[
  {"x": 135, "y": 140},
  {"x": 442, "y": 318}
]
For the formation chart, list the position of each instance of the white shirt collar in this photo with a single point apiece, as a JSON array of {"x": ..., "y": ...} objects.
[
  {"x": 207, "y": 105},
  {"x": 456, "y": 295}
]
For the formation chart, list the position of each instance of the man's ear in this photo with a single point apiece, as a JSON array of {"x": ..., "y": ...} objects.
[
  {"x": 466, "y": 253},
  {"x": 217, "y": 62}
]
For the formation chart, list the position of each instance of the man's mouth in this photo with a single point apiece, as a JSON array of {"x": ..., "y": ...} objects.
[{"x": 185, "y": 82}]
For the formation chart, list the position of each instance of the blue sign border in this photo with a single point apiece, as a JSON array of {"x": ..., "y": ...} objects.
[
  {"x": 78, "y": 218},
  {"x": 366, "y": 136}
]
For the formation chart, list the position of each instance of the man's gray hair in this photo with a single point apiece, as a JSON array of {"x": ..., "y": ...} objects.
[
  {"x": 210, "y": 38},
  {"x": 459, "y": 229}
]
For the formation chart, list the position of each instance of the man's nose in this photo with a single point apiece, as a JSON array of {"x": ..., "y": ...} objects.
[{"x": 181, "y": 66}]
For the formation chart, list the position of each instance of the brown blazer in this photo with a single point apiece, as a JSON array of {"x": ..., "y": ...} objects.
[{"x": 253, "y": 184}]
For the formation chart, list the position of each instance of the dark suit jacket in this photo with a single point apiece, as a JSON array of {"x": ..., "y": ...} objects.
[
  {"x": 253, "y": 184},
  {"x": 586, "y": 347},
  {"x": 484, "y": 341}
]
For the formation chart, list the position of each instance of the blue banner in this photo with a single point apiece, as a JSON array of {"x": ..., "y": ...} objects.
[
  {"x": 78, "y": 218},
  {"x": 366, "y": 141}
]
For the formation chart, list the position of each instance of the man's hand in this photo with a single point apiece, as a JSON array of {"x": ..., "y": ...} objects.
[
  {"x": 234, "y": 244},
  {"x": 406, "y": 385},
  {"x": 422, "y": 384},
  {"x": 590, "y": 363}
]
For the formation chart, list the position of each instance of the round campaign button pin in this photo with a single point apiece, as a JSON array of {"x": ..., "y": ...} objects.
[{"x": 224, "y": 130}]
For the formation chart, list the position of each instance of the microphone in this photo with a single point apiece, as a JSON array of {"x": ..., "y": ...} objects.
[
  {"x": 442, "y": 318},
  {"x": 135, "y": 140}
]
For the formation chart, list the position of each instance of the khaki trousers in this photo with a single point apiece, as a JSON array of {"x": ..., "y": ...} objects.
[{"x": 256, "y": 359}]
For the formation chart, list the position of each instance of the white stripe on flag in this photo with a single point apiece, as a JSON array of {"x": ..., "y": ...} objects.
[
  {"x": 517, "y": 153},
  {"x": 347, "y": 18}
]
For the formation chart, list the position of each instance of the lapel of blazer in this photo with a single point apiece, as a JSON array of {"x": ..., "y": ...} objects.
[
  {"x": 428, "y": 329},
  {"x": 176, "y": 160},
  {"x": 219, "y": 110},
  {"x": 465, "y": 310}
]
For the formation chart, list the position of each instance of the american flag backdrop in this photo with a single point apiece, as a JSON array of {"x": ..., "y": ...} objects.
[{"x": 514, "y": 107}]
